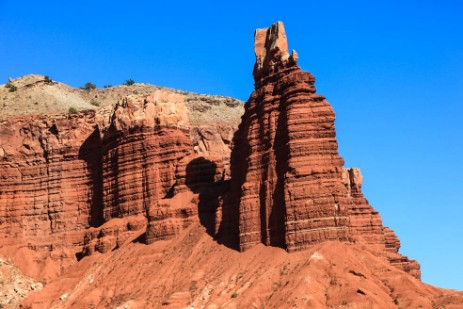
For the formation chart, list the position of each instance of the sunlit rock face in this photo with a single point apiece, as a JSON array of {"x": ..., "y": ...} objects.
[
  {"x": 86, "y": 182},
  {"x": 289, "y": 187}
]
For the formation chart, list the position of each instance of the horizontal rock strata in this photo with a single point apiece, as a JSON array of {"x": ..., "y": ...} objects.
[
  {"x": 288, "y": 183},
  {"x": 46, "y": 190},
  {"x": 74, "y": 180}
]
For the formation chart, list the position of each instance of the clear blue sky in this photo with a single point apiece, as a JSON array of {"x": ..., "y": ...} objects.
[{"x": 393, "y": 70}]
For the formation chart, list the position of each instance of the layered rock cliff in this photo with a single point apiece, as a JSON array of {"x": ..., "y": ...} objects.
[
  {"x": 288, "y": 182},
  {"x": 165, "y": 168},
  {"x": 46, "y": 193},
  {"x": 79, "y": 183}
]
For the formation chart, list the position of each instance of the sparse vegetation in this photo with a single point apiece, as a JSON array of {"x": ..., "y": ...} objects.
[
  {"x": 89, "y": 86},
  {"x": 129, "y": 82},
  {"x": 94, "y": 102},
  {"x": 12, "y": 87},
  {"x": 72, "y": 110}
]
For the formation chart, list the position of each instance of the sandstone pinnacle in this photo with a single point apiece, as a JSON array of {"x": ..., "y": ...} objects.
[
  {"x": 271, "y": 48},
  {"x": 288, "y": 183}
]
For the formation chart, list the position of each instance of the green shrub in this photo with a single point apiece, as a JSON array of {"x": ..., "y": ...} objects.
[
  {"x": 107, "y": 86},
  {"x": 234, "y": 295},
  {"x": 72, "y": 110},
  {"x": 8, "y": 85},
  {"x": 47, "y": 79},
  {"x": 89, "y": 86},
  {"x": 129, "y": 82},
  {"x": 13, "y": 88}
]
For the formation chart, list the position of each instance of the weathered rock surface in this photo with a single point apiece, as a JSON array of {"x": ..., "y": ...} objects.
[
  {"x": 14, "y": 286},
  {"x": 146, "y": 139},
  {"x": 46, "y": 194},
  {"x": 73, "y": 181},
  {"x": 288, "y": 183}
]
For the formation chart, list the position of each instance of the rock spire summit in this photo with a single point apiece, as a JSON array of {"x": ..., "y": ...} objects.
[{"x": 271, "y": 49}]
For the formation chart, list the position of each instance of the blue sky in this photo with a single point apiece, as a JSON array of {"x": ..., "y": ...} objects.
[{"x": 393, "y": 70}]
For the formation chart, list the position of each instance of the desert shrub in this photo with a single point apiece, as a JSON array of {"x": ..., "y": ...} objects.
[
  {"x": 72, "y": 110},
  {"x": 13, "y": 88},
  {"x": 234, "y": 295},
  {"x": 8, "y": 85},
  {"x": 47, "y": 78},
  {"x": 135, "y": 92},
  {"x": 94, "y": 102},
  {"x": 89, "y": 86},
  {"x": 129, "y": 82},
  {"x": 107, "y": 86}
]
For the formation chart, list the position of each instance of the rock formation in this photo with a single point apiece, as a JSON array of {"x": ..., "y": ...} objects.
[
  {"x": 288, "y": 183},
  {"x": 116, "y": 207},
  {"x": 46, "y": 185},
  {"x": 86, "y": 182},
  {"x": 91, "y": 180}
]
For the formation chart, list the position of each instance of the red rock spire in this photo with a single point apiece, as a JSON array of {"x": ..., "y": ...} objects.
[
  {"x": 271, "y": 49},
  {"x": 288, "y": 183}
]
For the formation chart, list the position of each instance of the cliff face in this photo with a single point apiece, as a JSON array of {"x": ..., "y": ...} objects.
[
  {"x": 140, "y": 152},
  {"x": 288, "y": 183},
  {"x": 81, "y": 183},
  {"x": 46, "y": 194}
]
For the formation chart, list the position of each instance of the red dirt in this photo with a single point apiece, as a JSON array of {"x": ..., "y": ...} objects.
[{"x": 193, "y": 270}]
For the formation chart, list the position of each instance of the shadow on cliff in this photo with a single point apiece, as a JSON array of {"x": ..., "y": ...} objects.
[
  {"x": 267, "y": 169},
  {"x": 203, "y": 178},
  {"x": 91, "y": 152},
  {"x": 278, "y": 214}
]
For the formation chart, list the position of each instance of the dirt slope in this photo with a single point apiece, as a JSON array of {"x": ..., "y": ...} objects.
[{"x": 193, "y": 271}]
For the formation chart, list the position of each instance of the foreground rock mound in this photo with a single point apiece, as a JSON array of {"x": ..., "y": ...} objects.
[
  {"x": 288, "y": 183},
  {"x": 192, "y": 270}
]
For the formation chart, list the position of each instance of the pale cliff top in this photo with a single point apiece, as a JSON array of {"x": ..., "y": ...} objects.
[{"x": 37, "y": 95}]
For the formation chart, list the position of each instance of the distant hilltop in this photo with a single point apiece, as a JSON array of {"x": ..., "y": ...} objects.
[{"x": 40, "y": 95}]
